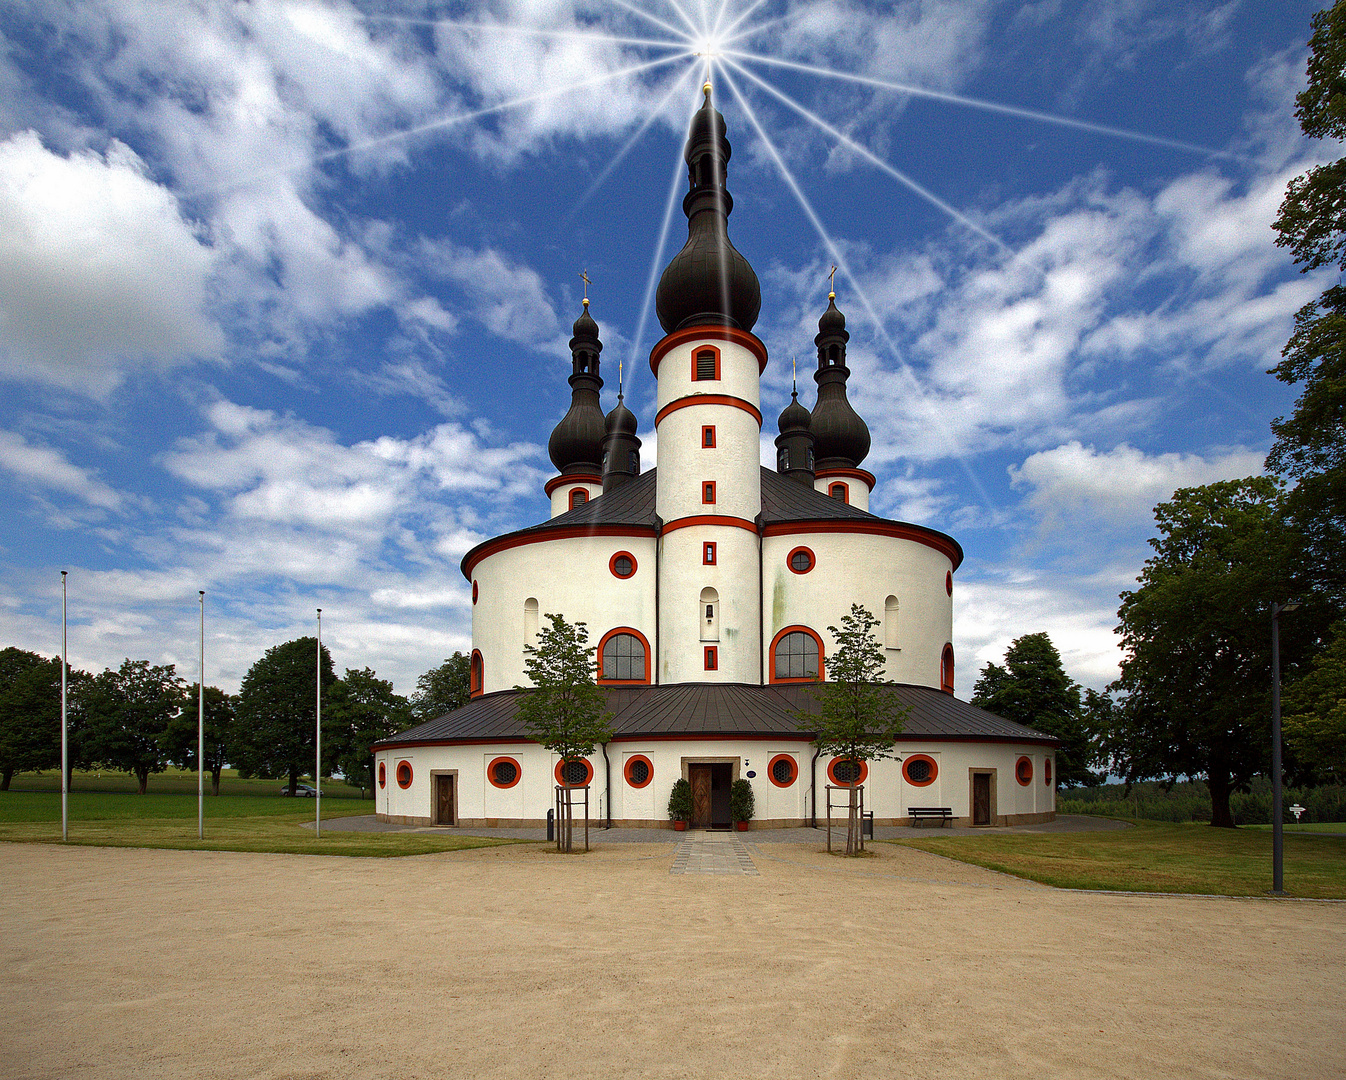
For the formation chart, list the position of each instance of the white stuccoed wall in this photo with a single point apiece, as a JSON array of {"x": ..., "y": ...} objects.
[{"x": 560, "y": 496}]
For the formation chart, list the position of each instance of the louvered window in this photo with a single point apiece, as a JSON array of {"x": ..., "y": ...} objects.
[{"x": 705, "y": 367}]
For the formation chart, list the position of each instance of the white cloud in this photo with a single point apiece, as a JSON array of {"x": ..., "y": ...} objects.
[{"x": 48, "y": 469}]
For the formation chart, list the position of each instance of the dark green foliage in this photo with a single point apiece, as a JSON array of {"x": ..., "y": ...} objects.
[
  {"x": 277, "y": 711},
  {"x": 1196, "y": 673},
  {"x": 30, "y": 713},
  {"x": 1033, "y": 689},
  {"x": 443, "y": 689},
  {"x": 360, "y": 710},
  {"x": 858, "y": 719},
  {"x": 1311, "y": 443},
  {"x": 128, "y": 715},
  {"x": 742, "y": 801},
  {"x": 680, "y": 800},
  {"x": 1189, "y": 800},
  {"x": 181, "y": 739},
  {"x": 1314, "y": 710},
  {"x": 566, "y": 712}
]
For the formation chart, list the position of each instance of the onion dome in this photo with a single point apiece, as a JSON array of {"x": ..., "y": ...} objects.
[
  {"x": 621, "y": 448},
  {"x": 576, "y": 444},
  {"x": 794, "y": 444},
  {"x": 841, "y": 438},
  {"x": 708, "y": 282}
]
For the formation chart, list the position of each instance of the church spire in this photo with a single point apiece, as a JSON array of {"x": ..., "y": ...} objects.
[
  {"x": 708, "y": 282},
  {"x": 576, "y": 444},
  {"x": 841, "y": 438}
]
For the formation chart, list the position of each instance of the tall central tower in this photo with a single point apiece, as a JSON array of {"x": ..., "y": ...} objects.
[{"x": 709, "y": 423}]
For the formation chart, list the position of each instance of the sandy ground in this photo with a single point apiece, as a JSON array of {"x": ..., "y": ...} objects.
[{"x": 522, "y": 963}]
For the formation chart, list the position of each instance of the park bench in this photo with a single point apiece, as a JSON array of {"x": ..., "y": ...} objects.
[{"x": 921, "y": 813}]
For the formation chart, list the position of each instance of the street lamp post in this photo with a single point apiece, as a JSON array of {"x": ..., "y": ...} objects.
[
  {"x": 201, "y": 725},
  {"x": 1277, "y": 803},
  {"x": 317, "y": 743},
  {"x": 65, "y": 752}
]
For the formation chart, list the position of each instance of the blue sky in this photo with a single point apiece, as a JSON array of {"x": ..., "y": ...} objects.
[{"x": 285, "y": 288}]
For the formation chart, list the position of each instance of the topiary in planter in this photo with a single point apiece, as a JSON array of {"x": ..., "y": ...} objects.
[
  {"x": 742, "y": 803},
  {"x": 680, "y": 801}
]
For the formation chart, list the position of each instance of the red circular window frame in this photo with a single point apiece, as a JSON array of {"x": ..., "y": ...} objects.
[
  {"x": 934, "y": 770},
  {"x": 790, "y": 563},
  {"x": 794, "y": 770},
  {"x": 561, "y": 779},
  {"x": 1047, "y": 772},
  {"x": 404, "y": 781},
  {"x": 1023, "y": 771},
  {"x": 383, "y": 774},
  {"x": 474, "y": 591},
  {"x": 626, "y": 770},
  {"x": 864, "y": 771},
  {"x": 948, "y": 582},
  {"x": 612, "y": 565},
  {"x": 490, "y": 772}
]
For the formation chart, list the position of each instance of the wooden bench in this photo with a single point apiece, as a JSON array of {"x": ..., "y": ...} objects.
[{"x": 920, "y": 813}]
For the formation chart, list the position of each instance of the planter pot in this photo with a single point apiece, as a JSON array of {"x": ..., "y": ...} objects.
[
  {"x": 679, "y": 826},
  {"x": 742, "y": 826}
]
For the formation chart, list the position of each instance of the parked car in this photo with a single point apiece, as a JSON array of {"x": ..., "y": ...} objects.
[{"x": 300, "y": 790}]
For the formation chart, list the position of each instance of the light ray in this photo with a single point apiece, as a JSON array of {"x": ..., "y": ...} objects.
[
  {"x": 723, "y": 35},
  {"x": 719, "y": 18},
  {"x": 873, "y": 158},
  {"x": 987, "y": 106},
  {"x": 758, "y": 28},
  {"x": 435, "y": 125},
  {"x": 528, "y": 31},
  {"x": 620, "y": 156},
  {"x": 688, "y": 35},
  {"x": 908, "y": 375}
]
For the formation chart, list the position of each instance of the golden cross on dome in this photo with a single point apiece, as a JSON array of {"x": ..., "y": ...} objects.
[
  {"x": 584, "y": 277},
  {"x": 794, "y": 376},
  {"x": 832, "y": 284}
]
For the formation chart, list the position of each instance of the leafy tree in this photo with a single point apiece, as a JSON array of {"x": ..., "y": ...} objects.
[
  {"x": 181, "y": 739},
  {"x": 1033, "y": 689},
  {"x": 276, "y": 711},
  {"x": 443, "y": 689},
  {"x": 858, "y": 719},
  {"x": 129, "y": 711},
  {"x": 30, "y": 713},
  {"x": 566, "y": 712},
  {"x": 1315, "y": 712},
  {"x": 360, "y": 710},
  {"x": 1196, "y": 637},
  {"x": 1311, "y": 443}
]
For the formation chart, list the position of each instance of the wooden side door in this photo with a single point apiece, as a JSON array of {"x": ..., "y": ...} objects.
[
  {"x": 445, "y": 811},
  {"x": 981, "y": 798},
  {"x": 699, "y": 775}
]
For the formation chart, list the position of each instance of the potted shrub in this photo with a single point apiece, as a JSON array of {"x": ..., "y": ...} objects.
[
  {"x": 742, "y": 804},
  {"x": 680, "y": 804}
]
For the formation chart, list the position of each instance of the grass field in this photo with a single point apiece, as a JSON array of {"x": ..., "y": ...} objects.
[
  {"x": 1157, "y": 857},
  {"x": 173, "y": 781},
  {"x": 253, "y": 816}
]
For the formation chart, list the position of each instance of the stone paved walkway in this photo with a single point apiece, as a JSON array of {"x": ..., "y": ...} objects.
[{"x": 712, "y": 853}]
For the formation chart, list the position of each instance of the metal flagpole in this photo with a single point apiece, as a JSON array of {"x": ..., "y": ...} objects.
[
  {"x": 65, "y": 757},
  {"x": 201, "y": 728},
  {"x": 317, "y": 742}
]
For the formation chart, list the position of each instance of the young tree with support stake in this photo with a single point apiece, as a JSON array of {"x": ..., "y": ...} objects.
[
  {"x": 566, "y": 712},
  {"x": 859, "y": 719}
]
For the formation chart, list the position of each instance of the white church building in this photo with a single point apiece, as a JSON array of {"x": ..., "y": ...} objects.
[{"x": 707, "y": 585}]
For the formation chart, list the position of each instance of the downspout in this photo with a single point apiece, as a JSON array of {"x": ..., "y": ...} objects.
[
  {"x": 761, "y": 608},
  {"x": 607, "y": 788},
  {"x": 813, "y": 784},
  {"x": 658, "y": 547}
]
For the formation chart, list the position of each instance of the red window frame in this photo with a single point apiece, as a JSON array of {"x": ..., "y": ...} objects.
[
  {"x": 560, "y": 777},
  {"x": 790, "y": 560},
  {"x": 490, "y": 772},
  {"x": 404, "y": 775},
  {"x": 708, "y": 552},
  {"x": 707, "y": 436},
  {"x": 844, "y": 488},
  {"x": 1023, "y": 770},
  {"x": 706, "y": 349},
  {"x": 474, "y": 590},
  {"x": 711, "y": 658},
  {"x": 626, "y": 771},
  {"x": 794, "y": 770},
  {"x": 934, "y": 770},
  {"x": 604, "y": 681},
  {"x": 707, "y": 492},
  {"x": 948, "y": 582},
  {"x": 771, "y": 656},
  {"x": 1047, "y": 772},
  {"x": 612, "y": 565},
  {"x": 832, "y": 776},
  {"x": 946, "y": 669},
  {"x": 578, "y": 497},
  {"x": 476, "y": 675},
  {"x": 383, "y": 774}
]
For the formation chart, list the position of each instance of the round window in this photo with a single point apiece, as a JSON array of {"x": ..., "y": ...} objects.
[
  {"x": 948, "y": 582},
  {"x": 800, "y": 560},
  {"x": 639, "y": 770},
  {"x": 1047, "y": 771},
  {"x": 1023, "y": 771},
  {"x": 574, "y": 773},
  {"x": 920, "y": 770},
  {"x": 782, "y": 770},
  {"x": 383, "y": 774},
  {"x": 845, "y": 772},
  {"x": 623, "y": 564},
  {"x": 503, "y": 772},
  {"x": 404, "y": 774},
  {"x": 474, "y": 592}
]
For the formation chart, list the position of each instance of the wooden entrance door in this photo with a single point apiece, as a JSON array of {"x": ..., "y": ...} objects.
[
  {"x": 699, "y": 776},
  {"x": 446, "y": 809},
  {"x": 981, "y": 798}
]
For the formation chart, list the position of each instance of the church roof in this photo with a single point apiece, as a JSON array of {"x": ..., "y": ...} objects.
[
  {"x": 739, "y": 709},
  {"x": 631, "y": 506}
]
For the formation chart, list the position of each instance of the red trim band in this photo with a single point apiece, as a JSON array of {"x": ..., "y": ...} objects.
[
  {"x": 709, "y": 519},
  {"x": 709, "y": 399},
  {"x": 856, "y": 474},
  {"x": 574, "y": 478},
  {"x": 945, "y": 545},
  {"x": 708, "y": 333},
  {"x": 562, "y": 532}
]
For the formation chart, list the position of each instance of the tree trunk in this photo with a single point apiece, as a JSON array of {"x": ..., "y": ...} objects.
[
  {"x": 215, "y": 780},
  {"x": 143, "y": 779},
  {"x": 294, "y": 782},
  {"x": 1221, "y": 816},
  {"x": 5, "y": 778}
]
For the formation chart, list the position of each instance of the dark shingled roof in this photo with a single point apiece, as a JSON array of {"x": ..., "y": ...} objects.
[
  {"x": 742, "y": 709},
  {"x": 632, "y": 505}
]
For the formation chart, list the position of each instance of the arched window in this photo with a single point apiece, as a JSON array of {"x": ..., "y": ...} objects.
[
  {"x": 476, "y": 678},
  {"x": 530, "y": 621},
  {"x": 710, "y": 615},
  {"x": 706, "y": 364},
  {"x": 946, "y": 670},
  {"x": 623, "y": 657},
  {"x": 578, "y": 497},
  {"x": 796, "y": 655},
  {"x": 839, "y": 491},
  {"x": 890, "y": 623}
]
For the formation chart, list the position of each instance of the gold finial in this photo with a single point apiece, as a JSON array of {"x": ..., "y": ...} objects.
[
  {"x": 832, "y": 284},
  {"x": 706, "y": 90},
  {"x": 619, "y": 380},
  {"x": 794, "y": 376},
  {"x": 584, "y": 277}
]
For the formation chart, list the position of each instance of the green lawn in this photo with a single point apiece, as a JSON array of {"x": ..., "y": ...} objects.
[
  {"x": 1157, "y": 857},
  {"x": 173, "y": 780},
  {"x": 243, "y": 822}
]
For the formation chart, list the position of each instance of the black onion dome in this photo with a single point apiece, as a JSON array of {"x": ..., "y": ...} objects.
[
  {"x": 708, "y": 281},
  {"x": 840, "y": 437},
  {"x": 621, "y": 421},
  {"x": 796, "y": 417},
  {"x": 832, "y": 321},
  {"x": 576, "y": 444}
]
